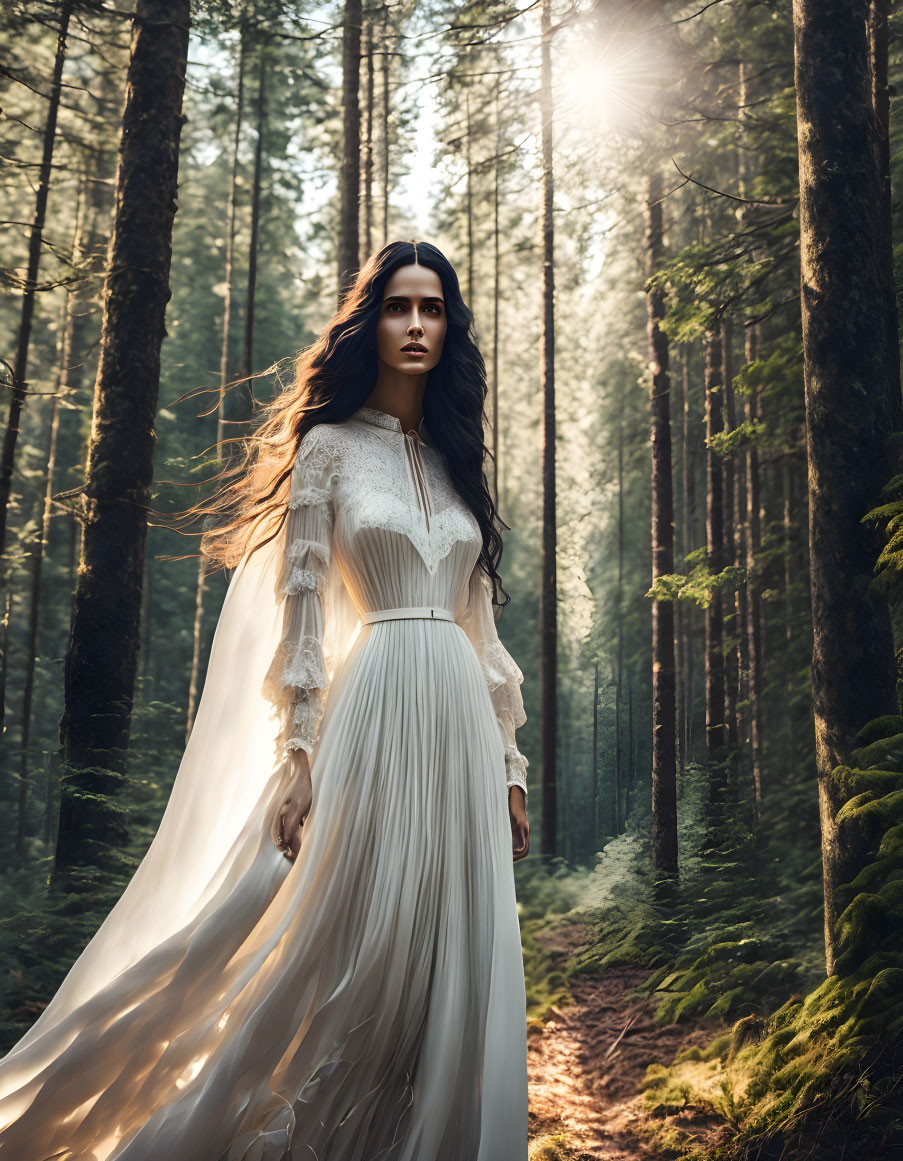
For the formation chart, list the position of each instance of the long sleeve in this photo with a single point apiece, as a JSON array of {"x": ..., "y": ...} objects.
[
  {"x": 299, "y": 675},
  {"x": 503, "y": 677}
]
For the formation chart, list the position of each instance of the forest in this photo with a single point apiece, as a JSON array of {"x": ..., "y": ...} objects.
[{"x": 677, "y": 225}]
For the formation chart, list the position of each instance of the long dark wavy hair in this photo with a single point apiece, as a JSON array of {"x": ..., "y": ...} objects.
[{"x": 333, "y": 377}]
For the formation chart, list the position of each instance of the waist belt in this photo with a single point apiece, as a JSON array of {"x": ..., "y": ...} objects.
[{"x": 427, "y": 612}]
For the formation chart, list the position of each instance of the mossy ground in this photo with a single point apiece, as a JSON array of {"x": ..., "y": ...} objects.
[
  {"x": 553, "y": 1147},
  {"x": 819, "y": 1076},
  {"x": 797, "y": 1066}
]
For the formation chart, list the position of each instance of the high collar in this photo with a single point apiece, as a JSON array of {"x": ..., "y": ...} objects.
[{"x": 391, "y": 422}]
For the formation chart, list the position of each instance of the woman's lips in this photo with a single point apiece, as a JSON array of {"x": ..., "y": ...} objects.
[{"x": 415, "y": 354}]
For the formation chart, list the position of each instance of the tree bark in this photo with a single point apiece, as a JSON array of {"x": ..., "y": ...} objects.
[
  {"x": 749, "y": 520},
  {"x": 496, "y": 288},
  {"x": 632, "y": 747},
  {"x": 548, "y": 594},
  {"x": 350, "y": 183},
  {"x": 714, "y": 521},
  {"x": 469, "y": 201},
  {"x": 53, "y": 767},
  {"x": 39, "y": 550},
  {"x": 42, "y": 538},
  {"x": 4, "y": 653},
  {"x": 246, "y": 407},
  {"x": 194, "y": 680},
  {"x": 35, "y": 243},
  {"x": 618, "y": 776},
  {"x": 85, "y": 312},
  {"x": 848, "y": 414},
  {"x": 680, "y": 610},
  {"x": 687, "y": 615},
  {"x": 664, "y": 755},
  {"x": 387, "y": 108},
  {"x": 596, "y": 795},
  {"x": 879, "y": 13},
  {"x": 731, "y": 476},
  {"x": 753, "y": 606},
  {"x": 231, "y": 219},
  {"x": 368, "y": 145},
  {"x": 102, "y": 657}
]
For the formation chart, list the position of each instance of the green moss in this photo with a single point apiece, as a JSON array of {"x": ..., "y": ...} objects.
[
  {"x": 871, "y": 810},
  {"x": 545, "y": 973},
  {"x": 885, "y": 753},
  {"x": 553, "y": 1147},
  {"x": 890, "y": 725}
]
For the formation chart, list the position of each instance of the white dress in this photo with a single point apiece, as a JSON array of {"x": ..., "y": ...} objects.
[{"x": 366, "y": 1002}]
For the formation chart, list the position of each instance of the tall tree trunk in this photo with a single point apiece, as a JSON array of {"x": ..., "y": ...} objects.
[
  {"x": 496, "y": 287},
  {"x": 387, "y": 109},
  {"x": 368, "y": 144},
  {"x": 102, "y": 657},
  {"x": 39, "y": 549},
  {"x": 247, "y": 366},
  {"x": 749, "y": 520},
  {"x": 618, "y": 775},
  {"x": 147, "y": 622},
  {"x": 848, "y": 415},
  {"x": 688, "y": 619},
  {"x": 74, "y": 544},
  {"x": 732, "y": 668},
  {"x": 714, "y": 623},
  {"x": 194, "y": 679},
  {"x": 231, "y": 229},
  {"x": 35, "y": 243},
  {"x": 596, "y": 795},
  {"x": 664, "y": 756},
  {"x": 632, "y": 740},
  {"x": 350, "y": 183},
  {"x": 879, "y": 12},
  {"x": 4, "y": 653},
  {"x": 42, "y": 538},
  {"x": 85, "y": 312},
  {"x": 753, "y": 607},
  {"x": 469, "y": 200},
  {"x": 548, "y": 593},
  {"x": 53, "y": 768},
  {"x": 565, "y": 796},
  {"x": 785, "y": 664},
  {"x": 680, "y": 693}
]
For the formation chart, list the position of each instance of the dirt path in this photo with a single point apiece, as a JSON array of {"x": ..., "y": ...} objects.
[{"x": 586, "y": 1065}]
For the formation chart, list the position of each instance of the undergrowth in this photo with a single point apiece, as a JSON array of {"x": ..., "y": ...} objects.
[
  {"x": 799, "y": 1067},
  {"x": 44, "y": 929},
  {"x": 808, "y": 1067}
]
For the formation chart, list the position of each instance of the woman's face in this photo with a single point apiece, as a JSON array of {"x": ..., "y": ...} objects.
[{"x": 412, "y": 322}]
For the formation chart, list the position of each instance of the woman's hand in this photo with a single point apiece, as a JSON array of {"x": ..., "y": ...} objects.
[
  {"x": 295, "y": 805},
  {"x": 520, "y": 828}
]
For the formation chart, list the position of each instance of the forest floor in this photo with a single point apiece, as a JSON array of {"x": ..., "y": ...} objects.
[{"x": 587, "y": 1065}]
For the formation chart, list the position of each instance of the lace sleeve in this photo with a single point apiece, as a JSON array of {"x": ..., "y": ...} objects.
[
  {"x": 503, "y": 677},
  {"x": 299, "y": 676}
]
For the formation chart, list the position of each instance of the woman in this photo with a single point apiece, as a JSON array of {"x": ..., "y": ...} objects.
[{"x": 361, "y": 994}]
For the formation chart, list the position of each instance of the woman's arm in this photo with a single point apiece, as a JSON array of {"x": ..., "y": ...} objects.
[
  {"x": 300, "y": 666},
  {"x": 503, "y": 677},
  {"x": 299, "y": 674}
]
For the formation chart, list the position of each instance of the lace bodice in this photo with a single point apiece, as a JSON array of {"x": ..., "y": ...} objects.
[{"x": 375, "y": 522}]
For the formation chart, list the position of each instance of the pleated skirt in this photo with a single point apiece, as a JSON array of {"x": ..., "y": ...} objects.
[{"x": 365, "y": 1003}]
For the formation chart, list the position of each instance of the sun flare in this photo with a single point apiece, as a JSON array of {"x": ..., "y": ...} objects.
[{"x": 610, "y": 90}]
